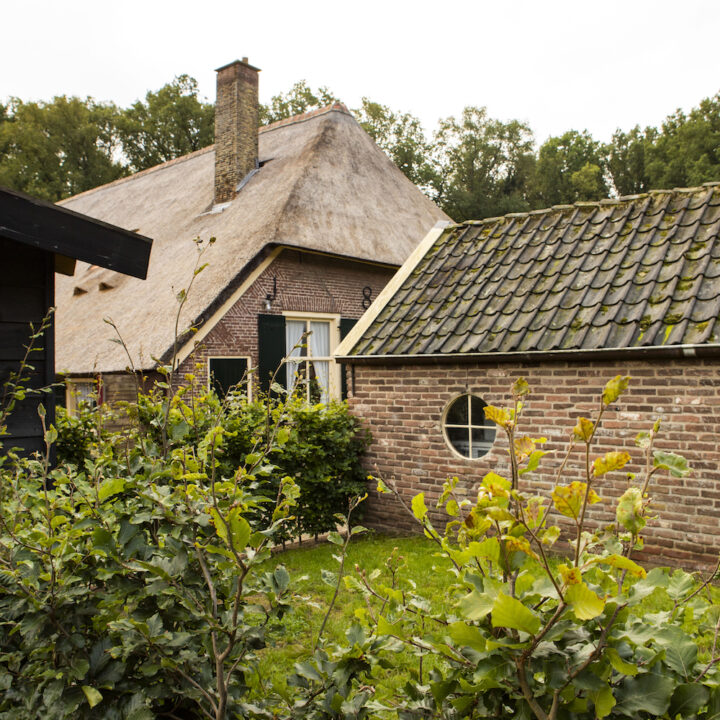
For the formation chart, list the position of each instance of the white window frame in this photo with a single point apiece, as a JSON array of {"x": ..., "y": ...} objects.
[
  {"x": 470, "y": 426},
  {"x": 334, "y": 369},
  {"x": 247, "y": 358},
  {"x": 71, "y": 393}
]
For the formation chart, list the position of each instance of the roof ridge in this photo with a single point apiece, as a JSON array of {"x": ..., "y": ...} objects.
[
  {"x": 594, "y": 203},
  {"x": 139, "y": 173},
  {"x": 335, "y": 107}
]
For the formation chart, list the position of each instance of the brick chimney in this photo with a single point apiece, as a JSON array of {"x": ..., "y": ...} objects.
[{"x": 236, "y": 127}]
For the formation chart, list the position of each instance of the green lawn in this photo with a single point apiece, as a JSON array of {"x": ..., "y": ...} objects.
[
  {"x": 422, "y": 565},
  {"x": 369, "y": 552}
]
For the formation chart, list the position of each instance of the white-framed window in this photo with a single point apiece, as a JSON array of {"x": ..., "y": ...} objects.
[
  {"x": 310, "y": 340},
  {"x": 229, "y": 371},
  {"x": 81, "y": 391},
  {"x": 466, "y": 430}
]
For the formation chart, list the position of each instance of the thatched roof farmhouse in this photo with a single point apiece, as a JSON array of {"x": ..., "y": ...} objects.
[{"x": 308, "y": 213}]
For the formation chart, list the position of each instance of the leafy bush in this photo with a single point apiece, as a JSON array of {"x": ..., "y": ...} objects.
[{"x": 134, "y": 588}]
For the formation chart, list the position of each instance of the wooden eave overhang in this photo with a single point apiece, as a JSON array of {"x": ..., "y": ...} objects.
[{"x": 70, "y": 235}]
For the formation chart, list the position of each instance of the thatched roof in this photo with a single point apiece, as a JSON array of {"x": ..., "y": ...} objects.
[{"x": 323, "y": 185}]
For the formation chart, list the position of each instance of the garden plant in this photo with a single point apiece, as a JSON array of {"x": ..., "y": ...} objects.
[{"x": 522, "y": 634}]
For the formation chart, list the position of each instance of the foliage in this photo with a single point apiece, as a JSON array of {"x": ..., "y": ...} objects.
[
  {"x": 171, "y": 122},
  {"x": 485, "y": 165},
  {"x": 402, "y": 138},
  {"x": 133, "y": 587},
  {"x": 58, "y": 148},
  {"x": 301, "y": 98},
  {"x": 521, "y": 636},
  {"x": 78, "y": 434},
  {"x": 569, "y": 168}
]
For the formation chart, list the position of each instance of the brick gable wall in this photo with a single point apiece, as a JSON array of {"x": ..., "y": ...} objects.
[
  {"x": 403, "y": 407},
  {"x": 306, "y": 282}
]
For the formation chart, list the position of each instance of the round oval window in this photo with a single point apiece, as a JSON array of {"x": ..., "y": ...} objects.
[{"x": 466, "y": 429}]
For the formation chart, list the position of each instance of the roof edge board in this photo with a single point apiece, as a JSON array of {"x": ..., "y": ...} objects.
[
  {"x": 627, "y": 353},
  {"x": 347, "y": 344}
]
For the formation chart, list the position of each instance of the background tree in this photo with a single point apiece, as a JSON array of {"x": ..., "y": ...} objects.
[
  {"x": 170, "y": 123},
  {"x": 627, "y": 156},
  {"x": 485, "y": 165},
  {"x": 402, "y": 138},
  {"x": 299, "y": 99},
  {"x": 58, "y": 148},
  {"x": 569, "y": 167}
]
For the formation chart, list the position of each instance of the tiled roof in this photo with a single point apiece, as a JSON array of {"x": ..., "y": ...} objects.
[{"x": 637, "y": 272}]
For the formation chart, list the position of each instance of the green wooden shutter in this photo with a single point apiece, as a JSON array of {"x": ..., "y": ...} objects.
[
  {"x": 346, "y": 325},
  {"x": 227, "y": 372},
  {"x": 271, "y": 349}
]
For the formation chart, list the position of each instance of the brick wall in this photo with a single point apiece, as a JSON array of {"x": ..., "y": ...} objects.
[
  {"x": 305, "y": 283},
  {"x": 403, "y": 407}
]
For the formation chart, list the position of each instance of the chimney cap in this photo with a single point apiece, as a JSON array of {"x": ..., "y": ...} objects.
[{"x": 244, "y": 61}]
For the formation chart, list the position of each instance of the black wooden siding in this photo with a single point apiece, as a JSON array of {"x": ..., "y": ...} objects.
[{"x": 26, "y": 292}]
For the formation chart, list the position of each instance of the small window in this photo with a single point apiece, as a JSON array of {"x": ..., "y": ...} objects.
[
  {"x": 466, "y": 429},
  {"x": 309, "y": 361},
  {"x": 81, "y": 393},
  {"x": 227, "y": 373}
]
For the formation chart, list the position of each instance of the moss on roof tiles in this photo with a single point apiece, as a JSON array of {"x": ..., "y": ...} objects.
[{"x": 640, "y": 270}]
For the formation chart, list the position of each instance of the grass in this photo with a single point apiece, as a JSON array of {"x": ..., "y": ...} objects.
[
  {"x": 369, "y": 552},
  {"x": 423, "y": 565}
]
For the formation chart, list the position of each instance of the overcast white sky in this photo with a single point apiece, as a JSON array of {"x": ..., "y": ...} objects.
[{"x": 558, "y": 64}]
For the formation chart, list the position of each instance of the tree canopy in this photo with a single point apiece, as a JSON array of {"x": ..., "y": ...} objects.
[
  {"x": 170, "y": 123},
  {"x": 473, "y": 166}
]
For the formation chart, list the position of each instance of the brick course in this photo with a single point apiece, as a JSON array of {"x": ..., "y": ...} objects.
[
  {"x": 306, "y": 282},
  {"x": 403, "y": 407}
]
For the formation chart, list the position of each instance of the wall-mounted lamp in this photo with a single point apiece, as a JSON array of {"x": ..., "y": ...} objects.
[{"x": 269, "y": 298}]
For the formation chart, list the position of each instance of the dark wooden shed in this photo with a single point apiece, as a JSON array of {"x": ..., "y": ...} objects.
[{"x": 38, "y": 239}]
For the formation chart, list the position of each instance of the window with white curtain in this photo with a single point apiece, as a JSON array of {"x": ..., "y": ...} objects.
[{"x": 309, "y": 364}]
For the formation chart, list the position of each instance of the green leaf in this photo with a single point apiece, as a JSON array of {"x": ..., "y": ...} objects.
[
  {"x": 629, "y": 512},
  {"x": 93, "y": 696},
  {"x": 649, "y": 693},
  {"x": 680, "y": 649},
  {"x": 622, "y": 562},
  {"x": 624, "y": 668},
  {"x": 386, "y": 628},
  {"x": 614, "y": 389},
  {"x": 418, "y": 507},
  {"x": 604, "y": 701},
  {"x": 687, "y": 700},
  {"x": 239, "y": 529},
  {"x": 110, "y": 487},
  {"x": 335, "y": 538},
  {"x": 520, "y": 387},
  {"x": 680, "y": 584},
  {"x": 469, "y": 635},
  {"x": 282, "y": 578},
  {"x": 585, "y": 603},
  {"x": 676, "y": 464},
  {"x": 489, "y": 549},
  {"x": 51, "y": 435},
  {"x": 511, "y": 613},
  {"x": 476, "y": 605}
]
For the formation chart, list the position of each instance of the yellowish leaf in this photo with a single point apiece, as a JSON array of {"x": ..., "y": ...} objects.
[
  {"x": 615, "y": 388},
  {"x": 609, "y": 462},
  {"x": 584, "y": 429}
]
